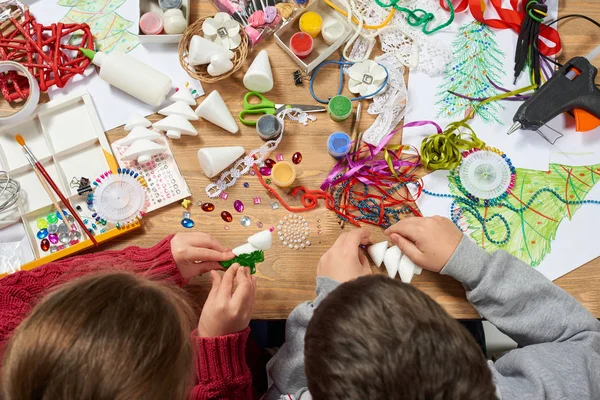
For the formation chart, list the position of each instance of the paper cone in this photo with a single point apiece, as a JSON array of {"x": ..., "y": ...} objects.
[
  {"x": 377, "y": 252},
  {"x": 180, "y": 108},
  {"x": 213, "y": 109},
  {"x": 213, "y": 160},
  {"x": 201, "y": 50},
  {"x": 259, "y": 77}
]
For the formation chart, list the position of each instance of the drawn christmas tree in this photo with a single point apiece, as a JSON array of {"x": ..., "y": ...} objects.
[
  {"x": 533, "y": 213},
  {"x": 110, "y": 30},
  {"x": 477, "y": 60}
]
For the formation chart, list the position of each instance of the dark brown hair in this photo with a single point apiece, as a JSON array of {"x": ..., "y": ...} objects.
[
  {"x": 108, "y": 336},
  {"x": 378, "y": 338}
]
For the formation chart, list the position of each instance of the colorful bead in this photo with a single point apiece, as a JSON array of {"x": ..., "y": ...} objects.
[
  {"x": 269, "y": 162},
  {"x": 297, "y": 158},
  {"x": 257, "y": 200},
  {"x": 45, "y": 245},
  {"x": 265, "y": 171},
  {"x": 226, "y": 216},
  {"x": 279, "y": 157},
  {"x": 42, "y": 234},
  {"x": 42, "y": 223},
  {"x": 238, "y": 206},
  {"x": 208, "y": 207},
  {"x": 187, "y": 223}
]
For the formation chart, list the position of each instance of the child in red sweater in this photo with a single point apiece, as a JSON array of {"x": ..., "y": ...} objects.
[{"x": 113, "y": 325}]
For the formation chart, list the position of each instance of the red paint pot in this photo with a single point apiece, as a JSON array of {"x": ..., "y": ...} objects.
[{"x": 301, "y": 44}]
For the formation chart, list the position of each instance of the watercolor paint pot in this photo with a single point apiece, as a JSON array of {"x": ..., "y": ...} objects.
[
  {"x": 151, "y": 23},
  {"x": 301, "y": 44},
  {"x": 283, "y": 174},
  {"x": 339, "y": 108},
  {"x": 268, "y": 127},
  {"x": 311, "y": 23},
  {"x": 338, "y": 144}
]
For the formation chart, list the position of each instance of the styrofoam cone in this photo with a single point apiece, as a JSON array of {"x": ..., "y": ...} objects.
[
  {"x": 377, "y": 252},
  {"x": 179, "y": 108},
  {"x": 391, "y": 260},
  {"x": 261, "y": 240},
  {"x": 259, "y": 77},
  {"x": 213, "y": 160},
  {"x": 177, "y": 123},
  {"x": 141, "y": 150},
  {"x": 173, "y": 134},
  {"x": 183, "y": 94},
  {"x": 219, "y": 65},
  {"x": 201, "y": 50},
  {"x": 137, "y": 133},
  {"x": 246, "y": 248},
  {"x": 406, "y": 269},
  {"x": 213, "y": 109},
  {"x": 137, "y": 120}
]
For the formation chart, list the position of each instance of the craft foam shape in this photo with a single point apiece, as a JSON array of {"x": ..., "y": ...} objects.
[
  {"x": 214, "y": 160},
  {"x": 377, "y": 252},
  {"x": 259, "y": 77},
  {"x": 172, "y": 134},
  {"x": 176, "y": 122},
  {"x": 261, "y": 240},
  {"x": 142, "y": 150},
  {"x": 138, "y": 133},
  {"x": 179, "y": 108},
  {"x": 406, "y": 268},
  {"x": 246, "y": 248},
  {"x": 183, "y": 94},
  {"x": 201, "y": 51},
  {"x": 213, "y": 109},
  {"x": 137, "y": 120},
  {"x": 219, "y": 64},
  {"x": 391, "y": 260}
]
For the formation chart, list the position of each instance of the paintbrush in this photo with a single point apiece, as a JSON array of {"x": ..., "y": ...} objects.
[
  {"x": 40, "y": 168},
  {"x": 356, "y": 138}
]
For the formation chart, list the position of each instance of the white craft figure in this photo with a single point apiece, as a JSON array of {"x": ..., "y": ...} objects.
[
  {"x": 183, "y": 94},
  {"x": 377, "y": 252},
  {"x": 259, "y": 77},
  {"x": 213, "y": 160},
  {"x": 201, "y": 51},
  {"x": 175, "y": 125},
  {"x": 394, "y": 260},
  {"x": 259, "y": 241},
  {"x": 391, "y": 259},
  {"x": 180, "y": 108},
  {"x": 138, "y": 133},
  {"x": 213, "y": 109},
  {"x": 137, "y": 120},
  {"x": 142, "y": 150},
  {"x": 219, "y": 65}
]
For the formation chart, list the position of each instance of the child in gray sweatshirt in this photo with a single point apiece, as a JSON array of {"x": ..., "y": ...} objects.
[{"x": 376, "y": 338}]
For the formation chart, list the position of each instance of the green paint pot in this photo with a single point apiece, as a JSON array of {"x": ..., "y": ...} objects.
[{"x": 339, "y": 108}]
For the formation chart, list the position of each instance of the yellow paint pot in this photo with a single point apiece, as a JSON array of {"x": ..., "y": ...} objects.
[
  {"x": 283, "y": 174},
  {"x": 311, "y": 23}
]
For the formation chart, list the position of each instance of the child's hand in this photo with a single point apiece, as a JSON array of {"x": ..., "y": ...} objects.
[
  {"x": 227, "y": 311},
  {"x": 196, "y": 253},
  {"x": 428, "y": 242},
  {"x": 344, "y": 261}
]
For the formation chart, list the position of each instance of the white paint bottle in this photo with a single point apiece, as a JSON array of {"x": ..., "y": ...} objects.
[{"x": 131, "y": 76}]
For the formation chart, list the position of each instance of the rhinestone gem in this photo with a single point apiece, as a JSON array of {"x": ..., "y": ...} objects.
[
  {"x": 226, "y": 227},
  {"x": 245, "y": 220},
  {"x": 259, "y": 224},
  {"x": 224, "y": 195},
  {"x": 226, "y": 216},
  {"x": 52, "y": 228},
  {"x": 42, "y": 223},
  {"x": 74, "y": 235},
  {"x": 62, "y": 228},
  {"x": 53, "y": 237},
  {"x": 53, "y": 249},
  {"x": 246, "y": 185},
  {"x": 279, "y": 157},
  {"x": 52, "y": 218},
  {"x": 64, "y": 238},
  {"x": 42, "y": 234},
  {"x": 297, "y": 158},
  {"x": 45, "y": 245},
  {"x": 238, "y": 206},
  {"x": 269, "y": 162},
  {"x": 265, "y": 171},
  {"x": 208, "y": 207},
  {"x": 187, "y": 223},
  {"x": 367, "y": 79},
  {"x": 186, "y": 214},
  {"x": 222, "y": 32}
]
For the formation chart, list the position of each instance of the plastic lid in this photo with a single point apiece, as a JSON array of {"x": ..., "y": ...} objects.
[
  {"x": 151, "y": 23},
  {"x": 338, "y": 144},
  {"x": 340, "y": 107}
]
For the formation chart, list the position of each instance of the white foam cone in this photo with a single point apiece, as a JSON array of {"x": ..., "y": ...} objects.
[
  {"x": 173, "y": 134},
  {"x": 213, "y": 109},
  {"x": 137, "y": 120},
  {"x": 213, "y": 160},
  {"x": 179, "y": 108},
  {"x": 406, "y": 269},
  {"x": 137, "y": 133},
  {"x": 259, "y": 77},
  {"x": 391, "y": 260},
  {"x": 177, "y": 123},
  {"x": 183, "y": 94},
  {"x": 377, "y": 252},
  {"x": 201, "y": 50}
]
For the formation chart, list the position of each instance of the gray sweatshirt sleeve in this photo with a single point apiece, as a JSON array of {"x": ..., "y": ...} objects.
[
  {"x": 286, "y": 369},
  {"x": 560, "y": 339}
]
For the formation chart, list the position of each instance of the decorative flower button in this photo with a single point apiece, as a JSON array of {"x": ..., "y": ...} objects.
[
  {"x": 366, "y": 77},
  {"x": 222, "y": 30}
]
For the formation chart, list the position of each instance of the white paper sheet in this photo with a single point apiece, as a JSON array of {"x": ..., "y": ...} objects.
[{"x": 114, "y": 106}]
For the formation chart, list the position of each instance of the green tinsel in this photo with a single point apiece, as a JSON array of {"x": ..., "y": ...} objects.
[{"x": 246, "y": 260}]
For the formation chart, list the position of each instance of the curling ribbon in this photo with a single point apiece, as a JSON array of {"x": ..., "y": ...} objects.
[{"x": 509, "y": 19}]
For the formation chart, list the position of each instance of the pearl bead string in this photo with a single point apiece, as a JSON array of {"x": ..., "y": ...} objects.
[{"x": 293, "y": 231}]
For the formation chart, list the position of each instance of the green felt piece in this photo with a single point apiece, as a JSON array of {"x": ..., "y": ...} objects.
[{"x": 246, "y": 260}]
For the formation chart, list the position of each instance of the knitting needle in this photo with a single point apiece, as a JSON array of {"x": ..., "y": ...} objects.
[
  {"x": 356, "y": 139},
  {"x": 50, "y": 182}
]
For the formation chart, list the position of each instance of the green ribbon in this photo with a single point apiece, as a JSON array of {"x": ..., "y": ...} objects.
[
  {"x": 418, "y": 16},
  {"x": 246, "y": 260}
]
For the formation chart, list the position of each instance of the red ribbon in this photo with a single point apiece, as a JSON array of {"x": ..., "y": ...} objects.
[{"x": 510, "y": 18}]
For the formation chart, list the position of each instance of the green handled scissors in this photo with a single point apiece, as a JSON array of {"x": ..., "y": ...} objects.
[{"x": 266, "y": 106}]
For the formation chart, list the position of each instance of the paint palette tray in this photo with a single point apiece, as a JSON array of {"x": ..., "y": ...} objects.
[
  {"x": 321, "y": 50},
  {"x": 67, "y": 138}
]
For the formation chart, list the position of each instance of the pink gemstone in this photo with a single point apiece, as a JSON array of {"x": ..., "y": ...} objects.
[
  {"x": 252, "y": 172},
  {"x": 265, "y": 171},
  {"x": 271, "y": 229},
  {"x": 279, "y": 157},
  {"x": 53, "y": 237},
  {"x": 224, "y": 195},
  {"x": 73, "y": 242},
  {"x": 238, "y": 206},
  {"x": 257, "y": 200}
]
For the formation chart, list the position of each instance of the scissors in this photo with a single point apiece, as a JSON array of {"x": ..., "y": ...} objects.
[{"x": 266, "y": 106}]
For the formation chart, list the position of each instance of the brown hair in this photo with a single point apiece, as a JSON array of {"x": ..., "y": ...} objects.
[
  {"x": 107, "y": 336},
  {"x": 378, "y": 338}
]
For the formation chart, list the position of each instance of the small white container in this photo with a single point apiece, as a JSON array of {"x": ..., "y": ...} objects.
[{"x": 152, "y": 5}]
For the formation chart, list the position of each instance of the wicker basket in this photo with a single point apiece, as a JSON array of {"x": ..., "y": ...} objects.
[{"x": 199, "y": 71}]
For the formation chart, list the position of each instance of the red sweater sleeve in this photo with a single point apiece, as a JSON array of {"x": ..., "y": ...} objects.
[
  {"x": 221, "y": 367},
  {"x": 19, "y": 292}
]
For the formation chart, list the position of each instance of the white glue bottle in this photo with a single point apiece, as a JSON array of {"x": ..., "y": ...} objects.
[{"x": 131, "y": 76}]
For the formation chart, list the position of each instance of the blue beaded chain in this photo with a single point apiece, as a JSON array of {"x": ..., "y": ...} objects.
[{"x": 471, "y": 206}]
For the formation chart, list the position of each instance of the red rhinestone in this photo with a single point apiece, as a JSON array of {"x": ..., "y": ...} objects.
[
  {"x": 297, "y": 158},
  {"x": 208, "y": 207},
  {"x": 269, "y": 162},
  {"x": 226, "y": 216}
]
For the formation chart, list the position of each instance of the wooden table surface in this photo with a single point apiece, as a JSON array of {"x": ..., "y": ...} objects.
[{"x": 287, "y": 277}]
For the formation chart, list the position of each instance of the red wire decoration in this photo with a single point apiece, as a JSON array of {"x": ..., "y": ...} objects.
[{"x": 45, "y": 51}]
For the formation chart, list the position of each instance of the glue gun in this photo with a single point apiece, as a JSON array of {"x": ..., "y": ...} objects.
[{"x": 571, "y": 89}]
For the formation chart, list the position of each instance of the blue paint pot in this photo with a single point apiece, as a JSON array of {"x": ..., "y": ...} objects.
[{"x": 338, "y": 144}]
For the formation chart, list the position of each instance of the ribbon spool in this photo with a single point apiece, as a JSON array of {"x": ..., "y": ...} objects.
[{"x": 31, "y": 101}]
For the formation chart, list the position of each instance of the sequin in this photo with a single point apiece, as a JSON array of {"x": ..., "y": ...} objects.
[
  {"x": 269, "y": 162},
  {"x": 208, "y": 207},
  {"x": 42, "y": 223},
  {"x": 42, "y": 234},
  {"x": 226, "y": 216},
  {"x": 238, "y": 206},
  {"x": 53, "y": 237},
  {"x": 265, "y": 171},
  {"x": 45, "y": 245},
  {"x": 187, "y": 223},
  {"x": 245, "y": 220},
  {"x": 52, "y": 218},
  {"x": 297, "y": 158}
]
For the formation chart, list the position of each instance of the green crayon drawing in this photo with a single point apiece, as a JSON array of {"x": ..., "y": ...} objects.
[
  {"x": 477, "y": 60},
  {"x": 530, "y": 215},
  {"x": 110, "y": 30}
]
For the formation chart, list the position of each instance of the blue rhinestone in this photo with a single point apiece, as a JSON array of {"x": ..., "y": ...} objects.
[
  {"x": 42, "y": 234},
  {"x": 187, "y": 223},
  {"x": 246, "y": 184}
]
